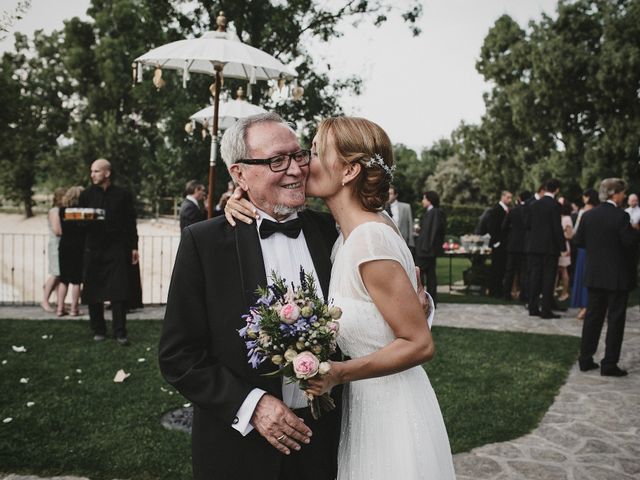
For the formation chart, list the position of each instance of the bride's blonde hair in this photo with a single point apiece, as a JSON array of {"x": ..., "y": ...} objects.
[{"x": 363, "y": 141}]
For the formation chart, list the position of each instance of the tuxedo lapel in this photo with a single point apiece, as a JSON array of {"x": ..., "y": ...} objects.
[
  {"x": 253, "y": 275},
  {"x": 250, "y": 261},
  {"x": 320, "y": 253}
]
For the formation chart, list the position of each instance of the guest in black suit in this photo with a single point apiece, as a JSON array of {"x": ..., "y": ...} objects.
[
  {"x": 247, "y": 425},
  {"x": 610, "y": 242},
  {"x": 527, "y": 264},
  {"x": 546, "y": 241},
  {"x": 514, "y": 228},
  {"x": 498, "y": 243},
  {"x": 429, "y": 243},
  {"x": 190, "y": 211}
]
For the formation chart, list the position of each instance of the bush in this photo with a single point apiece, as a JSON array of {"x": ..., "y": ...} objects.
[{"x": 462, "y": 219}]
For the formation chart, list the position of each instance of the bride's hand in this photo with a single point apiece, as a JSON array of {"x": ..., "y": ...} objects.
[
  {"x": 239, "y": 208},
  {"x": 321, "y": 384}
]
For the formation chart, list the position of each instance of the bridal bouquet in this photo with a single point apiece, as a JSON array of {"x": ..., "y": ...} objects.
[{"x": 296, "y": 331}]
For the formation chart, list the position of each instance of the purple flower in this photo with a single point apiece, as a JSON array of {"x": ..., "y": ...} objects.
[
  {"x": 256, "y": 358},
  {"x": 301, "y": 325},
  {"x": 266, "y": 301}
]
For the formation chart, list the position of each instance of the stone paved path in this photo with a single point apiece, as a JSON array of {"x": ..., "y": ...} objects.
[{"x": 591, "y": 432}]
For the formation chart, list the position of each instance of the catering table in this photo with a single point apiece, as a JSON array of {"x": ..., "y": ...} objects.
[{"x": 478, "y": 269}]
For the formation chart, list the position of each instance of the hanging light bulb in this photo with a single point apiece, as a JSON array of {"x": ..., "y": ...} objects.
[
  {"x": 297, "y": 92},
  {"x": 221, "y": 22},
  {"x": 212, "y": 87},
  {"x": 157, "y": 78}
]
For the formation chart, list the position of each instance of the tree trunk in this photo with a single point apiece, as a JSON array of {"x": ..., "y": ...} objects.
[{"x": 28, "y": 206}]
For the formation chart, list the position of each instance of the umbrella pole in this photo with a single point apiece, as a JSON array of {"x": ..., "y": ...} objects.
[{"x": 214, "y": 140}]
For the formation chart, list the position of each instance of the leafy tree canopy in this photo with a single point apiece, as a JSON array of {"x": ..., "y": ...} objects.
[{"x": 141, "y": 130}]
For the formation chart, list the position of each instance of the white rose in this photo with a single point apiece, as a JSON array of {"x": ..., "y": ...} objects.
[
  {"x": 290, "y": 354},
  {"x": 324, "y": 368}
]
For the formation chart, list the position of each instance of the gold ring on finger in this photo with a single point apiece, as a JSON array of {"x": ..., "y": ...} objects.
[{"x": 281, "y": 437}]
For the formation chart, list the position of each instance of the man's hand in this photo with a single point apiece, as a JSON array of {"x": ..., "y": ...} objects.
[
  {"x": 279, "y": 425},
  {"x": 135, "y": 257},
  {"x": 422, "y": 294}
]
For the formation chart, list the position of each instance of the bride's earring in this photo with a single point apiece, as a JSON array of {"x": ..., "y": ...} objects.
[{"x": 343, "y": 183}]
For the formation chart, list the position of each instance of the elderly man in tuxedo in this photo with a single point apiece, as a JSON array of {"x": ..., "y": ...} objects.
[
  {"x": 545, "y": 242},
  {"x": 247, "y": 425},
  {"x": 610, "y": 242},
  {"x": 190, "y": 211},
  {"x": 402, "y": 216}
]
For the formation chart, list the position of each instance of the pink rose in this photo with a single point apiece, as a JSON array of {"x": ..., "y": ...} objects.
[
  {"x": 305, "y": 365},
  {"x": 333, "y": 326},
  {"x": 289, "y": 313}
]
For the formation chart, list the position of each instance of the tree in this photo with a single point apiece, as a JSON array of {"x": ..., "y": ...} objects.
[
  {"x": 412, "y": 172},
  {"x": 564, "y": 99},
  {"x": 141, "y": 129},
  {"x": 8, "y": 17},
  {"x": 35, "y": 113},
  {"x": 454, "y": 183}
]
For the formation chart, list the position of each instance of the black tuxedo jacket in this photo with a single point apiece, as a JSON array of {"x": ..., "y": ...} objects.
[
  {"x": 432, "y": 231},
  {"x": 514, "y": 229},
  {"x": 544, "y": 227},
  {"x": 216, "y": 273},
  {"x": 610, "y": 241},
  {"x": 190, "y": 213},
  {"x": 495, "y": 218}
]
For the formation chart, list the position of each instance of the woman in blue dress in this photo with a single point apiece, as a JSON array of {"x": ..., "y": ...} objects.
[{"x": 579, "y": 296}]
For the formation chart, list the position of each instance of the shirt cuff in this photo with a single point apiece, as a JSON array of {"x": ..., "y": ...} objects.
[{"x": 245, "y": 412}]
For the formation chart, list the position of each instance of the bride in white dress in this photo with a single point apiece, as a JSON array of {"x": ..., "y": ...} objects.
[
  {"x": 392, "y": 427},
  {"x": 391, "y": 422}
]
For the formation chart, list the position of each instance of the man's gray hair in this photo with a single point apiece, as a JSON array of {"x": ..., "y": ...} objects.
[
  {"x": 233, "y": 146},
  {"x": 610, "y": 186}
]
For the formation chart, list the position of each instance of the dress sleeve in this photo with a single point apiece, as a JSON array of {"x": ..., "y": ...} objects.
[{"x": 375, "y": 241}]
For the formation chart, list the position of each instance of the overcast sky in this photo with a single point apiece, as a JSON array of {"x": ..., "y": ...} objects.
[{"x": 418, "y": 88}]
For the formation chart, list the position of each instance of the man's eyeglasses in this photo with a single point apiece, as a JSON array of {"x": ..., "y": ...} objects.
[{"x": 281, "y": 162}]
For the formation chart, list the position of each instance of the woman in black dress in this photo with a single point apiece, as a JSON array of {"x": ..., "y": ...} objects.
[{"x": 71, "y": 251}]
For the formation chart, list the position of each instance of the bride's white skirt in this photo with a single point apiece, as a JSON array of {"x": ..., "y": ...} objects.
[{"x": 392, "y": 429}]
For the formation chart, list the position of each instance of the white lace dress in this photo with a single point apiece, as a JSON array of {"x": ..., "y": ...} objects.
[{"x": 392, "y": 427}]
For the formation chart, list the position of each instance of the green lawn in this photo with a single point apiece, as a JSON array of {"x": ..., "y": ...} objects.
[{"x": 492, "y": 386}]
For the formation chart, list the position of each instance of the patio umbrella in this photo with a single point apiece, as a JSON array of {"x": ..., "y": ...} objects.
[
  {"x": 215, "y": 53},
  {"x": 228, "y": 112}
]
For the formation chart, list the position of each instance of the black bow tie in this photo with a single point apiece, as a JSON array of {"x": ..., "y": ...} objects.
[{"x": 291, "y": 228}]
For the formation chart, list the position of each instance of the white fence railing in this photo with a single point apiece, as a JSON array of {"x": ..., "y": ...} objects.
[{"x": 24, "y": 267}]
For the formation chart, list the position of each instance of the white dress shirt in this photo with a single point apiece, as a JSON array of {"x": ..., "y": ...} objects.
[
  {"x": 634, "y": 214},
  {"x": 192, "y": 198},
  {"x": 284, "y": 255},
  {"x": 395, "y": 211}
]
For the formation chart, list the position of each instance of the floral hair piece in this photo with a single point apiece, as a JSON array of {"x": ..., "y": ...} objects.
[{"x": 377, "y": 160}]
